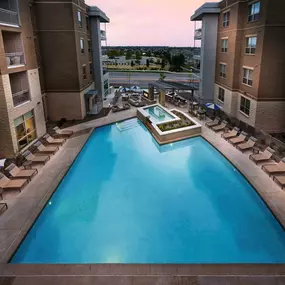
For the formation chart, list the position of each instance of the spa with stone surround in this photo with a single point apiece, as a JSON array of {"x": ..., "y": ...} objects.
[{"x": 168, "y": 126}]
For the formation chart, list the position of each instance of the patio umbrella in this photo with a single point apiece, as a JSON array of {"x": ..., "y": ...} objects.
[
  {"x": 124, "y": 89},
  {"x": 135, "y": 88},
  {"x": 212, "y": 106},
  {"x": 2, "y": 162}
]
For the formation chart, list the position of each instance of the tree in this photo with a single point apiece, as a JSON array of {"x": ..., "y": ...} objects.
[
  {"x": 158, "y": 61},
  {"x": 138, "y": 61},
  {"x": 163, "y": 63},
  {"x": 161, "y": 76},
  {"x": 138, "y": 55},
  {"x": 129, "y": 55},
  {"x": 177, "y": 61},
  {"x": 132, "y": 64},
  {"x": 147, "y": 62}
]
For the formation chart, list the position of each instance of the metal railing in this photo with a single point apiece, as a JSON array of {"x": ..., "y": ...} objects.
[
  {"x": 21, "y": 97},
  {"x": 198, "y": 34},
  {"x": 103, "y": 35},
  {"x": 9, "y": 17},
  {"x": 15, "y": 58}
]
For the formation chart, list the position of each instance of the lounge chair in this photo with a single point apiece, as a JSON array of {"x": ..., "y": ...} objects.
[
  {"x": 213, "y": 123},
  {"x": 63, "y": 133},
  {"x": 277, "y": 168},
  {"x": 3, "y": 206},
  {"x": 16, "y": 172},
  {"x": 240, "y": 139},
  {"x": 42, "y": 149},
  {"x": 220, "y": 127},
  {"x": 264, "y": 156},
  {"x": 247, "y": 145},
  {"x": 14, "y": 184},
  {"x": 232, "y": 134},
  {"x": 42, "y": 159},
  {"x": 48, "y": 138},
  {"x": 280, "y": 180}
]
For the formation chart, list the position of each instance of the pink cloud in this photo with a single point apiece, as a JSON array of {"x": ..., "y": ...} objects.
[{"x": 149, "y": 22}]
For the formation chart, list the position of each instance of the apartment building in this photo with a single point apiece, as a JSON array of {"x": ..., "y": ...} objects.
[
  {"x": 22, "y": 117},
  {"x": 68, "y": 38},
  {"x": 250, "y": 63}
]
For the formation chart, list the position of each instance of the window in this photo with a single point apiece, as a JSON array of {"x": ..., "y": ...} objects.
[
  {"x": 221, "y": 96},
  {"x": 90, "y": 67},
  {"x": 25, "y": 129},
  {"x": 82, "y": 45},
  {"x": 89, "y": 45},
  {"x": 250, "y": 45},
  {"x": 253, "y": 12},
  {"x": 247, "y": 76},
  {"x": 87, "y": 23},
  {"x": 226, "y": 19},
  {"x": 225, "y": 43},
  {"x": 84, "y": 71},
  {"x": 223, "y": 68},
  {"x": 79, "y": 18},
  {"x": 244, "y": 105}
]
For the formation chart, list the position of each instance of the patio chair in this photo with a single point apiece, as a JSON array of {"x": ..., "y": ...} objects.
[
  {"x": 63, "y": 133},
  {"x": 15, "y": 184},
  {"x": 240, "y": 139},
  {"x": 247, "y": 145},
  {"x": 42, "y": 149},
  {"x": 277, "y": 168},
  {"x": 232, "y": 134},
  {"x": 264, "y": 156},
  {"x": 42, "y": 159},
  {"x": 16, "y": 172},
  {"x": 3, "y": 206},
  {"x": 280, "y": 180},
  {"x": 49, "y": 139},
  {"x": 213, "y": 123},
  {"x": 220, "y": 127}
]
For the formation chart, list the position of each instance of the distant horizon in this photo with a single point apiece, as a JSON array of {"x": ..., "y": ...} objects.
[{"x": 149, "y": 22}]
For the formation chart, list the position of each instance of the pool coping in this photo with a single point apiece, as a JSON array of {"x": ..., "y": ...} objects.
[{"x": 12, "y": 270}]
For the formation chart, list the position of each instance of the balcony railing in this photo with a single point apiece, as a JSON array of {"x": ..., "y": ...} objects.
[
  {"x": 103, "y": 35},
  {"x": 9, "y": 17},
  {"x": 198, "y": 34},
  {"x": 20, "y": 97},
  {"x": 14, "y": 59}
]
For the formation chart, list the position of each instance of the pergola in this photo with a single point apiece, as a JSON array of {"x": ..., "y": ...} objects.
[{"x": 163, "y": 86}]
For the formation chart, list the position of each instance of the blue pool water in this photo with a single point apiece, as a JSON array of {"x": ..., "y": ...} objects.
[
  {"x": 157, "y": 114},
  {"x": 128, "y": 200}
]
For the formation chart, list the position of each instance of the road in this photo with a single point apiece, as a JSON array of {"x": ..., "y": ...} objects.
[{"x": 143, "y": 78}]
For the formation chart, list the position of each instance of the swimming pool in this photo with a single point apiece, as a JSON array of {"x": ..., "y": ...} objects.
[
  {"x": 128, "y": 200},
  {"x": 158, "y": 114}
]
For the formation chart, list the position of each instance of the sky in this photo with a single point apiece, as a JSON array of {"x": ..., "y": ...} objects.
[{"x": 149, "y": 22}]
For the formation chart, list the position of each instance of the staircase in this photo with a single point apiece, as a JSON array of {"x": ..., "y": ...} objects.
[{"x": 127, "y": 125}]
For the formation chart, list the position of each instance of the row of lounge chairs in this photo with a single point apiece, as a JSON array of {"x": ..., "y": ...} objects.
[
  {"x": 238, "y": 138},
  {"x": 18, "y": 177}
]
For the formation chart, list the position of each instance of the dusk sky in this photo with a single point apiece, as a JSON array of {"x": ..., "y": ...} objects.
[{"x": 149, "y": 22}]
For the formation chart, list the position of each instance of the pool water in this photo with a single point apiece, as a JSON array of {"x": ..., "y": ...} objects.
[
  {"x": 128, "y": 200},
  {"x": 157, "y": 114}
]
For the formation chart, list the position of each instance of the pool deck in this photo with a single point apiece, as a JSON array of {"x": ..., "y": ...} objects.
[{"x": 25, "y": 207}]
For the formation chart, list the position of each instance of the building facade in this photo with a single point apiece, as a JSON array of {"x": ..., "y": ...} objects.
[
  {"x": 208, "y": 14},
  {"x": 68, "y": 38},
  {"x": 250, "y": 62},
  {"x": 51, "y": 67},
  {"x": 22, "y": 118}
]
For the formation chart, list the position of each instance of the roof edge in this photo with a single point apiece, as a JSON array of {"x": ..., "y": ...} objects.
[
  {"x": 207, "y": 8},
  {"x": 94, "y": 11}
]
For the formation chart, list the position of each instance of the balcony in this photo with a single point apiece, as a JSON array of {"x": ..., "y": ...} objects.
[
  {"x": 103, "y": 35},
  {"x": 13, "y": 49},
  {"x": 9, "y": 12},
  {"x": 198, "y": 34},
  {"x": 20, "y": 88}
]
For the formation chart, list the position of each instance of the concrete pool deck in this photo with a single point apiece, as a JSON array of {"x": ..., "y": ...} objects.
[{"x": 25, "y": 207}]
